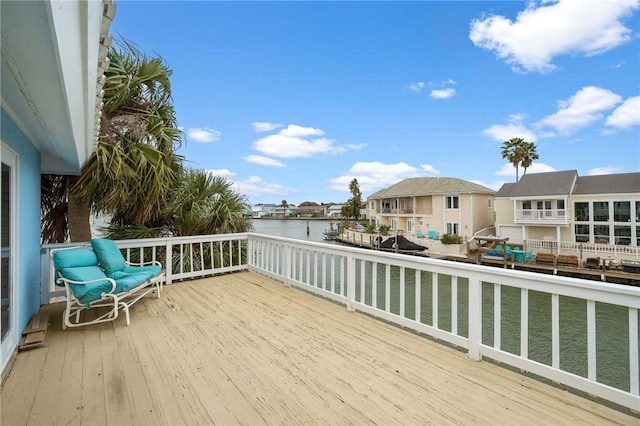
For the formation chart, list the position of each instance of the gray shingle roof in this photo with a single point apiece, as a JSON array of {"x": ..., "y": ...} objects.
[
  {"x": 430, "y": 186},
  {"x": 622, "y": 183},
  {"x": 539, "y": 184}
]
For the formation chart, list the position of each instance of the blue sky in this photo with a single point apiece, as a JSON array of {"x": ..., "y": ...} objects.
[{"x": 292, "y": 100}]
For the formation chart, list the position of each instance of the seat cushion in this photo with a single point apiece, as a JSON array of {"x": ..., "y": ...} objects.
[
  {"x": 109, "y": 255},
  {"x": 130, "y": 281},
  {"x": 87, "y": 293}
]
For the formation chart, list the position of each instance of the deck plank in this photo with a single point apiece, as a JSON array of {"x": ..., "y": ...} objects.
[{"x": 243, "y": 349}]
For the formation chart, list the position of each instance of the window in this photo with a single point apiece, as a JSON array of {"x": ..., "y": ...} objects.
[
  {"x": 622, "y": 235},
  {"x": 582, "y": 212},
  {"x": 582, "y": 233},
  {"x": 560, "y": 207},
  {"x": 622, "y": 211},
  {"x": 490, "y": 203},
  {"x": 638, "y": 212},
  {"x": 601, "y": 234},
  {"x": 526, "y": 208},
  {"x": 601, "y": 211},
  {"x": 453, "y": 202},
  {"x": 638, "y": 236},
  {"x": 371, "y": 205},
  {"x": 452, "y": 228}
]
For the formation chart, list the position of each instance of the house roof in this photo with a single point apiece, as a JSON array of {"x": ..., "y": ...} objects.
[
  {"x": 52, "y": 75},
  {"x": 540, "y": 184},
  {"x": 430, "y": 186},
  {"x": 622, "y": 183}
]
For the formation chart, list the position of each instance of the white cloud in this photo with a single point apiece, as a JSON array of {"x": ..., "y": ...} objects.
[
  {"x": 205, "y": 135},
  {"x": 582, "y": 109},
  {"x": 299, "y": 142},
  {"x": 443, "y": 93},
  {"x": 255, "y": 187},
  {"x": 508, "y": 169},
  {"x": 355, "y": 147},
  {"x": 295, "y": 131},
  {"x": 608, "y": 170},
  {"x": 264, "y": 126},
  {"x": 626, "y": 115},
  {"x": 417, "y": 87},
  {"x": 225, "y": 173},
  {"x": 549, "y": 29},
  {"x": 513, "y": 129},
  {"x": 264, "y": 161},
  {"x": 374, "y": 175},
  {"x": 429, "y": 169}
]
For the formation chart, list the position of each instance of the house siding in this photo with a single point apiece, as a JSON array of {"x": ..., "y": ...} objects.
[{"x": 28, "y": 218}]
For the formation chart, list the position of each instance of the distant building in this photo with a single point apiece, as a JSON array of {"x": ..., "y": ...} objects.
[
  {"x": 262, "y": 210},
  {"x": 335, "y": 211},
  {"x": 562, "y": 206},
  {"x": 443, "y": 205},
  {"x": 311, "y": 210}
]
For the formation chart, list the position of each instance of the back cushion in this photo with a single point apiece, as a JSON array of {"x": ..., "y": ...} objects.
[
  {"x": 73, "y": 258},
  {"x": 109, "y": 255}
]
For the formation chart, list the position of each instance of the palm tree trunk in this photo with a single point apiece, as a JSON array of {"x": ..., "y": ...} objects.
[{"x": 78, "y": 214}]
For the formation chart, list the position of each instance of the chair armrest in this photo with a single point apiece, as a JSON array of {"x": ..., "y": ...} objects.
[{"x": 111, "y": 281}]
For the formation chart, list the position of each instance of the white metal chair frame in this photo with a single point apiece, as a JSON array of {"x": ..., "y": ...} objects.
[{"x": 116, "y": 301}]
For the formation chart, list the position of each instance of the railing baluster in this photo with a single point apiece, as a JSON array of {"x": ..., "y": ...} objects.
[
  {"x": 634, "y": 369},
  {"x": 434, "y": 300},
  {"x": 591, "y": 340},
  {"x": 497, "y": 315},
  {"x": 555, "y": 331},
  {"x": 524, "y": 323}
]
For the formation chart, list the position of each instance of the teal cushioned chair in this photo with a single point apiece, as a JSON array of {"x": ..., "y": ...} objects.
[{"x": 102, "y": 278}]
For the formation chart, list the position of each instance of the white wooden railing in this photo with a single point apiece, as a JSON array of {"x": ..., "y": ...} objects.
[
  {"x": 526, "y": 320},
  {"x": 584, "y": 250}
]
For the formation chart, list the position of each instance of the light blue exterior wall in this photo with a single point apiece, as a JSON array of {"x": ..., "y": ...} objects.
[{"x": 28, "y": 218}]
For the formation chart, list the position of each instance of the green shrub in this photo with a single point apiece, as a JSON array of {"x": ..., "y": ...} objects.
[
  {"x": 384, "y": 229},
  {"x": 370, "y": 228},
  {"x": 451, "y": 239}
]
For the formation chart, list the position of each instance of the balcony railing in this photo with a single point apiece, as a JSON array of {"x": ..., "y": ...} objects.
[
  {"x": 518, "y": 318},
  {"x": 553, "y": 216},
  {"x": 408, "y": 210}
]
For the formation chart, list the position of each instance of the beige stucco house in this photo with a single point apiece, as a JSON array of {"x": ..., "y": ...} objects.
[
  {"x": 441, "y": 204},
  {"x": 564, "y": 207}
]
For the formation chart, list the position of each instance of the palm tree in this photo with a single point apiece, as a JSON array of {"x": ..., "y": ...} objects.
[
  {"x": 134, "y": 165},
  {"x": 285, "y": 205},
  {"x": 528, "y": 155},
  {"x": 519, "y": 153},
  {"x": 354, "y": 204},
  {"x": 203, "y": 204}
]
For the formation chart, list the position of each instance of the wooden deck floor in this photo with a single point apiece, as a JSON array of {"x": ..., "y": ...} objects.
[{"x": 242, "y": 349}]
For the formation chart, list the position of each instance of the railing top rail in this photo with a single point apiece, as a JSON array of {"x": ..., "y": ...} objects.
[{"x": 566, "y": 286}]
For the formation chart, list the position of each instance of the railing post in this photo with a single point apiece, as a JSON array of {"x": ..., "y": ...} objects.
[
  {"x": 168, "y": 262},
  {"x": 475, "y": 318},
  {"x": 287, "y": 266},
  {"x": 351, "y": 282}
]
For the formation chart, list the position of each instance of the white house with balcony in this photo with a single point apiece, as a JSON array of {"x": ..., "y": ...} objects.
[
  {"x": 418, "y": 206},
  {"x": 562, "y": 206}
]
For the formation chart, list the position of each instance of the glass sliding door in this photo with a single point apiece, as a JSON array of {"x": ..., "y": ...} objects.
[{"x": 8, "y": 295}]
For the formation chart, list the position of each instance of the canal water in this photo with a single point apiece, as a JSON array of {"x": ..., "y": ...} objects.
[{"x": 612, "y": 331}]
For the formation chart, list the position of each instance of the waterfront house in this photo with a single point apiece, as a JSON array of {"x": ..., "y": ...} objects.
[
  {"x": 311, "y": 209},
  {"x": 437, "y": 204},
  {"x": 262, "y": 210},
  {"x": 563, "y": 206},
  {"x": 334, "y": 211},
  {"x": 54, "y": 55}
]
